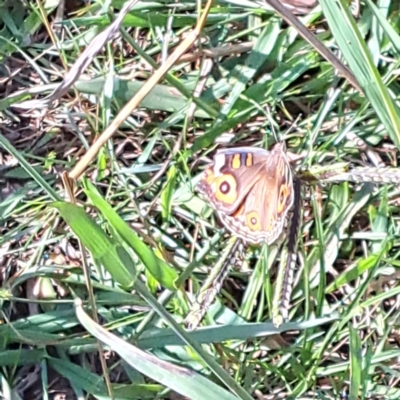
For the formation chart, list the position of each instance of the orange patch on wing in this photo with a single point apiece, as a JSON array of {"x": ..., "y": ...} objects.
[
  {"x": 253, "y": 221},
  {"x": 239, "y": 211},
  {"x": 284, "y": 193},
  {"x": 249, "y": 159},
  {"x": 208, "y": 176},
  {"x": 236, "y": 163}
]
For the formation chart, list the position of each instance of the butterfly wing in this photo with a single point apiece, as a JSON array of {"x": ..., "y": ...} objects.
[
  {"x": 227, "y": 182},
  {"x": 262, "y": 214},
  {"x": 251, "y": 193}
]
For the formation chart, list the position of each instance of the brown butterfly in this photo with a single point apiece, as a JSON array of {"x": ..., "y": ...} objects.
[{"x": 251, "y": 190}]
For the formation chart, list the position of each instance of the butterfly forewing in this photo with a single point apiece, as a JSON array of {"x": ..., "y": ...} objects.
[{"x": 229, "y": 179}]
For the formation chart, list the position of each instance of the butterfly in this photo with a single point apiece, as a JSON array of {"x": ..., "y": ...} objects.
[{"x": 252, "y": 191}]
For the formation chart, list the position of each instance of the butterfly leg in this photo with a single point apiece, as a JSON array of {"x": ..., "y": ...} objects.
[
  {"x": 212, "y": 285},
  {"x": 285, "y": 278}
]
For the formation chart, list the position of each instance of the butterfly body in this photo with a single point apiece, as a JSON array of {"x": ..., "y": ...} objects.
[{"x": 251, "y": 190}]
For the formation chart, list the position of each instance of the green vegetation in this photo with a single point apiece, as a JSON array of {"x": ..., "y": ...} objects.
[{"x": 99, "y": 273}]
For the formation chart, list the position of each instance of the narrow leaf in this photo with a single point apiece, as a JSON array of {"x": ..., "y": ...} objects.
[
  {"x": 182, "y": 380},
  {"x": 158, "y": 268},
  {"x": 112, "y": 256}
]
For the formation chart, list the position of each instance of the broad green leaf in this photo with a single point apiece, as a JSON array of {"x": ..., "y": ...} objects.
[
  {"x": 111, "y": 255},
  {"x": 158, "y": 268},
  {"x": 94, "y": 385},
  {"x": 182, "y": 380},
  {"x": 161, "y": 97},
  {"x": 11, "y": 358}
]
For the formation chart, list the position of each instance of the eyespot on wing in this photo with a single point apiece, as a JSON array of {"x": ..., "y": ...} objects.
[{"x": 226, "y": 189}]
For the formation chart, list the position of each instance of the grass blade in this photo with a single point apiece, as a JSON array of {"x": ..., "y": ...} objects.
[{"x": 356, "y": 53}]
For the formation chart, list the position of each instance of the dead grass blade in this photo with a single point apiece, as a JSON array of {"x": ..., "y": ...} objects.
[{"x": 90, "y": 52}]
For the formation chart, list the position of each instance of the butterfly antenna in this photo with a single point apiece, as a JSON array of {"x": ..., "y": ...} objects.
[{"x": 293, "y": 126}]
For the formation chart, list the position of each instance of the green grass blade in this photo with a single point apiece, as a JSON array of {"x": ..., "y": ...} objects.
[
  {"x": 111, "y": 255},
  {"x": 182, "y": 380},
  {"x": 158, "y": 268},
  {"x": 384, "y": 23},
  {"x": 355, "y": 364},
  {"x": 356, "y": 53},
  {"x": 168, "y": 192},
  {"x": 28, "y": 168}
]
